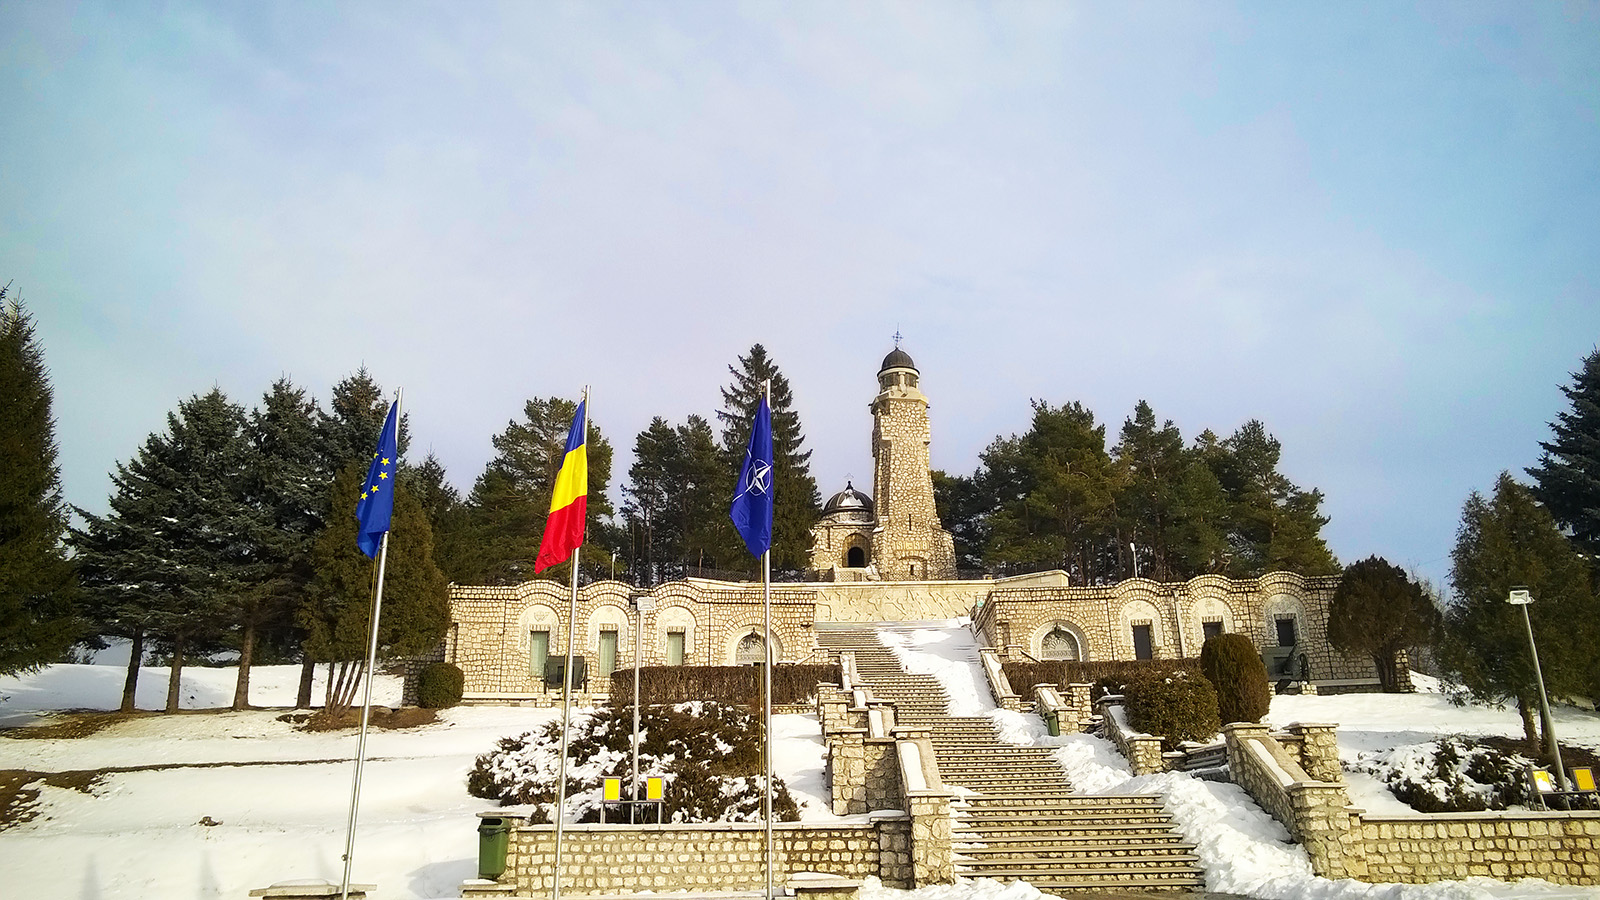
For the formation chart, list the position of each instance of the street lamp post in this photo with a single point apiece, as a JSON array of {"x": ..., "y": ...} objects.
[{"x": 1520, "y": 597}]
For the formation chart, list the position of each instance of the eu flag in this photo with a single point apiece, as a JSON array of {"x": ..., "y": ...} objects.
[
  {"x": 376, "y": 505},
  {"x": 752, "y": 500}
]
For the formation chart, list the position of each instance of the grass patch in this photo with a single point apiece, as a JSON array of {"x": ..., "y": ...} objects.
[
  {"x": 381, "y": 717},
  {"x": 72, "y": 725}
]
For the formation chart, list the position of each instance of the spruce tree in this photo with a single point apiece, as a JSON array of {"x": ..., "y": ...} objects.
[
  {"x": 510, "y": 501},
  {"x": 796, "y": 500},
  {"x": 337, "y": 619},
  {"x": 289, "y": 489},
  {"x": 180, "y": 544},
  {"x": 674, "y": 495},
  {"x": 1273, "y": 524},
  {"x": 37, "y": 584},
  {"x": 1377, "y": 612},
  {"x": 1509, "y": 541},
  {"x": 1567, "y": 479},
  {"x": 446, "y": 511},
  {"x": 647, "y": 494},
  {"x": 349, "y": 430}
]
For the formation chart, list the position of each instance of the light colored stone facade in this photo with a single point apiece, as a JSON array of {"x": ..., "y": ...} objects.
[
  {"x": 492, "y": 628},
  {"x": 897, "y": 533},
  {"x": 1045, "y": 617}
]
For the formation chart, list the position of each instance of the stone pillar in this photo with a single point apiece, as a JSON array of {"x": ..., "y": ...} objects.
[
  {"x": 932, "y": 859},
  {"x": 1080, "y": 704},
  {"x": 895, "y": 865},
  {"x": 847, "y": 771},
  {"x": 1319, "y": 751},
  {"x": 882, "y": 775},
  {"x": 1324, "y": 824},
  {"x": 831, "y": 705}
]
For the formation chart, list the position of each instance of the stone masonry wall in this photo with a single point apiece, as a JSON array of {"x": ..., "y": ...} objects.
[
  {"x": 607, "y": 859},
  {"x": 909, "y": 542},
  {"x": 1101, "y": 617},
  {"x": 1563, "y": 847}
]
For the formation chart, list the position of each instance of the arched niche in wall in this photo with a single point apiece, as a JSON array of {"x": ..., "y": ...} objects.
[
  {"x": 1284, "y": 620},
  {"x": 746, "y": 644},
  {"x": 1141, "y": 619},
  {"x": 1059, "y": 640}
]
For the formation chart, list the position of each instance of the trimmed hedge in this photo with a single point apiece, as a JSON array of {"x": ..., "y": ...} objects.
[
  {"x": 1232, "y": 665},
  {"x": 439, "y": 686},
  {"x": 791, "y": 684},
  {"x": 1179, "y": 707},
  {"x": 1107, "y": 675}
]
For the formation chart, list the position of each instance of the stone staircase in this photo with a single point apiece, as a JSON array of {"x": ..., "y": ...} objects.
[{"x": 1017, "y": 818}]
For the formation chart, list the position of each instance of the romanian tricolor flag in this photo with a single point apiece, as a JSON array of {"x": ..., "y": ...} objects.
[{"x": 569, "y": 501}]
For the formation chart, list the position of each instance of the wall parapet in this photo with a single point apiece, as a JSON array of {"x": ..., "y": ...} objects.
[{"x": 1143, "y": 751}]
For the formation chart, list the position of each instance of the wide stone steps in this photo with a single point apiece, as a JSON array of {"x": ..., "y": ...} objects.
[{"x": 1016, "y": 817}]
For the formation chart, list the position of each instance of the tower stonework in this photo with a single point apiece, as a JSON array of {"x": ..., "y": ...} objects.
[{"x": 908, "y": 542}]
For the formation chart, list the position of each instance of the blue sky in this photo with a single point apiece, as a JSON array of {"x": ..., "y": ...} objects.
[{"x": 1372, "y": 226}]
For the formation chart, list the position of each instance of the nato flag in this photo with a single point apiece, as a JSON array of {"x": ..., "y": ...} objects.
[
  {"x": 376, "y": 505},
  {"x": 752, "y": 500}
]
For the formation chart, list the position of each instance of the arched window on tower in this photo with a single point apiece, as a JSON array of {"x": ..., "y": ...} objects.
[
  {"x": 1059, "y": 644},
  {"x": 855, "y": 558},
  {"x": 751, "y": 651}
]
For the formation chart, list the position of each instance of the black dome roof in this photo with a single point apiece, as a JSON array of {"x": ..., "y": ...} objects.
[
  {"x": 848, "y": 499},
  {"x": 897, "y": 359}
]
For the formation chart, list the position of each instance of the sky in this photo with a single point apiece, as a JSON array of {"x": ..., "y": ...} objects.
[{"x": 1370, "y": 226}]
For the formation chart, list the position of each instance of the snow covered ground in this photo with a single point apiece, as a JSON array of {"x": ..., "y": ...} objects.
[{"x": 280, "y": 796}]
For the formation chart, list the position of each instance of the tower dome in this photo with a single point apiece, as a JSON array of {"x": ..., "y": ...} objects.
[
  {"x": 848, "y": 500},
  {"x": 897, "y": 359}
]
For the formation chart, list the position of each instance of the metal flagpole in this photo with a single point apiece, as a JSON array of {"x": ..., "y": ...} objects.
[
  {"x": 366, "y": 699},
  {"x": 566, "y": 687},
  {"x": 766, "y": 692}
]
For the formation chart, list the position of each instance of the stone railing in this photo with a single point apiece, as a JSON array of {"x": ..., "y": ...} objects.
[
  {"x": 1295, "y": 776},
  {"x": 928, "y": 804},
  {"x": 1143, "y": 751},
  {"x": 999, "y": 684}
]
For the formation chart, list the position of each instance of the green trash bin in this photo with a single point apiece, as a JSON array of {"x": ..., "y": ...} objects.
[
  {"x": 494, "y": 839},
  {"x": 1052, "y": 721}
]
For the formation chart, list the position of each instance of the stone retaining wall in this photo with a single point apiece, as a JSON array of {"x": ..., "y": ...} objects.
[
  {"x": 1298, "y": 781},
  {"x": 1563, "y": 847},
  {"x": 615, "y": 859}
]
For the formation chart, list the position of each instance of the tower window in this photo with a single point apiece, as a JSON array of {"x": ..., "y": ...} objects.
[{"x": 855, "y": 558}]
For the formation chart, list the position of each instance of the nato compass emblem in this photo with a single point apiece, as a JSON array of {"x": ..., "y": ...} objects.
[{"x": 760, "y": 478}]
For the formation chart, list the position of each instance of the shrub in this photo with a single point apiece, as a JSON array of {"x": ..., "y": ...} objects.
[
  {"x": 1450, "y": 775},
  {"x": 1107, "y": 675},
  {"x": 439, "y": 686},
  {"x": 791, "y": 684},
  {"x": 708, "y": 753},
  {"x": 1231, "y": 664},
  {"x": 1179, "y": 707}
]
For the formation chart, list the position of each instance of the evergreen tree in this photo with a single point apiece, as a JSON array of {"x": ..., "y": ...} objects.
[
  {"x": 796, "y": 501},
  {"x": 349, "y": 430},
  {"x": 446, "y": 511},
  {"x": 416, "y": 607},
  {"x": 648, "y": 494},
  {"x": 1056, "y": 489},
  {"x": 960, "y": 503},
  {"x": 1153, "y": 462},
  {"x": 703, "y": 489},
  {"x": 1508, "y": 541},
  {"x": 180, "y": 544},
  {"x": 1567, "y": 479},
  {"x": 1272, "y": 524},
  {"x": 289, "y": 489},
  {"x": 1197, "y": 541},
  {"x": 1377, "y": 612},
  {"x": 675, "y": 493},
  {"x": 37, "y": 583},
  {"x": 510, "y": 501}
]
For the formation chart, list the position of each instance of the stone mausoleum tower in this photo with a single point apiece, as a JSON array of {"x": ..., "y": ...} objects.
[
  {"x": 908, "y": 542},
  {"x": 896, "y": 537}
]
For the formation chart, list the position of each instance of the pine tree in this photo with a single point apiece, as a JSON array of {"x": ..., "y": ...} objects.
[
  {"x": 289, "y": 489},
  {"x": 1055, "y": 490},
  {"x": 510, "y": 501},
  {"x": 796, "y": 501},
  {"x": 960, "y": 504},
  {"x": 1510, "y": 541},
  {"x": 37, "y": 583},
  {"x": 337, "y": 619},
  {"x": 1272, "y": 524},
  {"x": 1567, "y": 479},
  {"x": 1153, "y": 462},
  {"x": 349, "y": 430},
  {"x": 676, "y": 488},
  {"x": 180, "y": 542},
  {"x": 647, "y": 495},
  {"x": 1377, "y": 612}
]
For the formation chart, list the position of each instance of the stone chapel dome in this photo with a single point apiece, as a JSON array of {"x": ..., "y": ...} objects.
[
  {"x": 848, "y": 500},
  {"x": 897, "y": 359}
]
